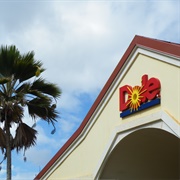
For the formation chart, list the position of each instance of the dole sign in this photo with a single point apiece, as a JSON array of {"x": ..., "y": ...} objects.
[{"x": 134, "y": 99}]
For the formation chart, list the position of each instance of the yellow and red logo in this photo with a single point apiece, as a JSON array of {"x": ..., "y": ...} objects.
[{"x": 133, "y": 99}]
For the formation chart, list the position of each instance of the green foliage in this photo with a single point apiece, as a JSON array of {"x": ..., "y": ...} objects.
[{"x": 21, "y": 86}]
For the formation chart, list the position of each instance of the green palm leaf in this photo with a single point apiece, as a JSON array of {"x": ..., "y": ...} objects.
[
  {"x": 42, "y": 108},
  {"x": 26, "y": 67},
  {"x": 8, "y": 56},
  {"x": 45, "y": 87}
]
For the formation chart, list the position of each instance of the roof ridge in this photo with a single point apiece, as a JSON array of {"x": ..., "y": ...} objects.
[{"x": 160, "y": 40}]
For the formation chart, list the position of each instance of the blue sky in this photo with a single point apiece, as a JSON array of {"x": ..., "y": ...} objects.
[{"x": 79, "y": 43}]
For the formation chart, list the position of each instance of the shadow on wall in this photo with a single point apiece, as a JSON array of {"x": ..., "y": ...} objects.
[{"x": 145, "y": 154}]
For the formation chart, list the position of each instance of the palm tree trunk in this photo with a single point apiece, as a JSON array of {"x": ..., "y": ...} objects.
[
  {"x": 8, "y": 154},
  {"x": 8, "y": 151}
]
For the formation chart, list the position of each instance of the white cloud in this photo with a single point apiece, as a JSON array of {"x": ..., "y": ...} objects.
[
  {"x": 23, "y": 176},
  {"x": 66, "y": 126},
  {"x": 39, "y": 157},
  {"x": 2, "y": 172},
  {"x": 42, "y": 137},
  {"x": 90, "y": 19}
]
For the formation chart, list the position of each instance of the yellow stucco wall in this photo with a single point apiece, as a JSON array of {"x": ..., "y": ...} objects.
[{"x": 81, "y": 163}]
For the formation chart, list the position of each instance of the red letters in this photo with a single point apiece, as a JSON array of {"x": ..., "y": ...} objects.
[
  {"x": 153, "y": 88},
  {"x": 124, "y": 91},
  {"x": 150, "y": 90}
]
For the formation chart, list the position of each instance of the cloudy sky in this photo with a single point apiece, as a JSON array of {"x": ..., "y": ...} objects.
[{"x": 80, "y": 43}]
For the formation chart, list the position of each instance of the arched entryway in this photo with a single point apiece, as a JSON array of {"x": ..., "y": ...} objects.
[{"x": 146, "y": 154}]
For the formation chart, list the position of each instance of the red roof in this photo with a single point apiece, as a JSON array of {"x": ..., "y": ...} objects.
[{"x": 138, "y": 41}]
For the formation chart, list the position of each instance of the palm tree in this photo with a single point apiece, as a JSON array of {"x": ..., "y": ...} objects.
[{"x": 21, "y": 87}]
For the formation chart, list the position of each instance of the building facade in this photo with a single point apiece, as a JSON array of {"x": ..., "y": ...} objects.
[{"x": 132, "y": 131}]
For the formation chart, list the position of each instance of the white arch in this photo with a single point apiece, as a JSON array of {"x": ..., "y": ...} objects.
[{"x": 160, "y": 120}]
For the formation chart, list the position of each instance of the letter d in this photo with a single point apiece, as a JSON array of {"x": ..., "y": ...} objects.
[{"x": 123, "y": 91}]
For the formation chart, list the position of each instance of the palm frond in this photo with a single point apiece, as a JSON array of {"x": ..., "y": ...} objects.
[
  {"x": 42, "y": 108},
  {"x": 46, "y": 88},
  {"x": 37, "y": 94},
  {"x": 21, "y": 92},
  {"x": 24, "y": 88},
  {"x": 43, "y": 101},
  {"x": 27, "y": 66},
  {"x": 12, "y": 114},
  {"x": 17, "y": 113},
  {"x": 8, "y": 55},
  {"x": 4, "y": 80},
  {"x": 25, "y": 137}
]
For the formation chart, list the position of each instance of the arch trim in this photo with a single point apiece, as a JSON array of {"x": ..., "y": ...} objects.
[{"x": 160, "y": 120}]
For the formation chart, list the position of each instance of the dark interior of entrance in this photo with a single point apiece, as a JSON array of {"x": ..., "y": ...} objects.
[{"x": 146, "y": 154}]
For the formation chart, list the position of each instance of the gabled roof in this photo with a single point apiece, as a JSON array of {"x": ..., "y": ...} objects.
[{"x": 164, "y": 47}]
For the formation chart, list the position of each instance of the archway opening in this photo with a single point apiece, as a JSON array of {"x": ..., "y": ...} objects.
[{"x": 144, "y": 154}]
